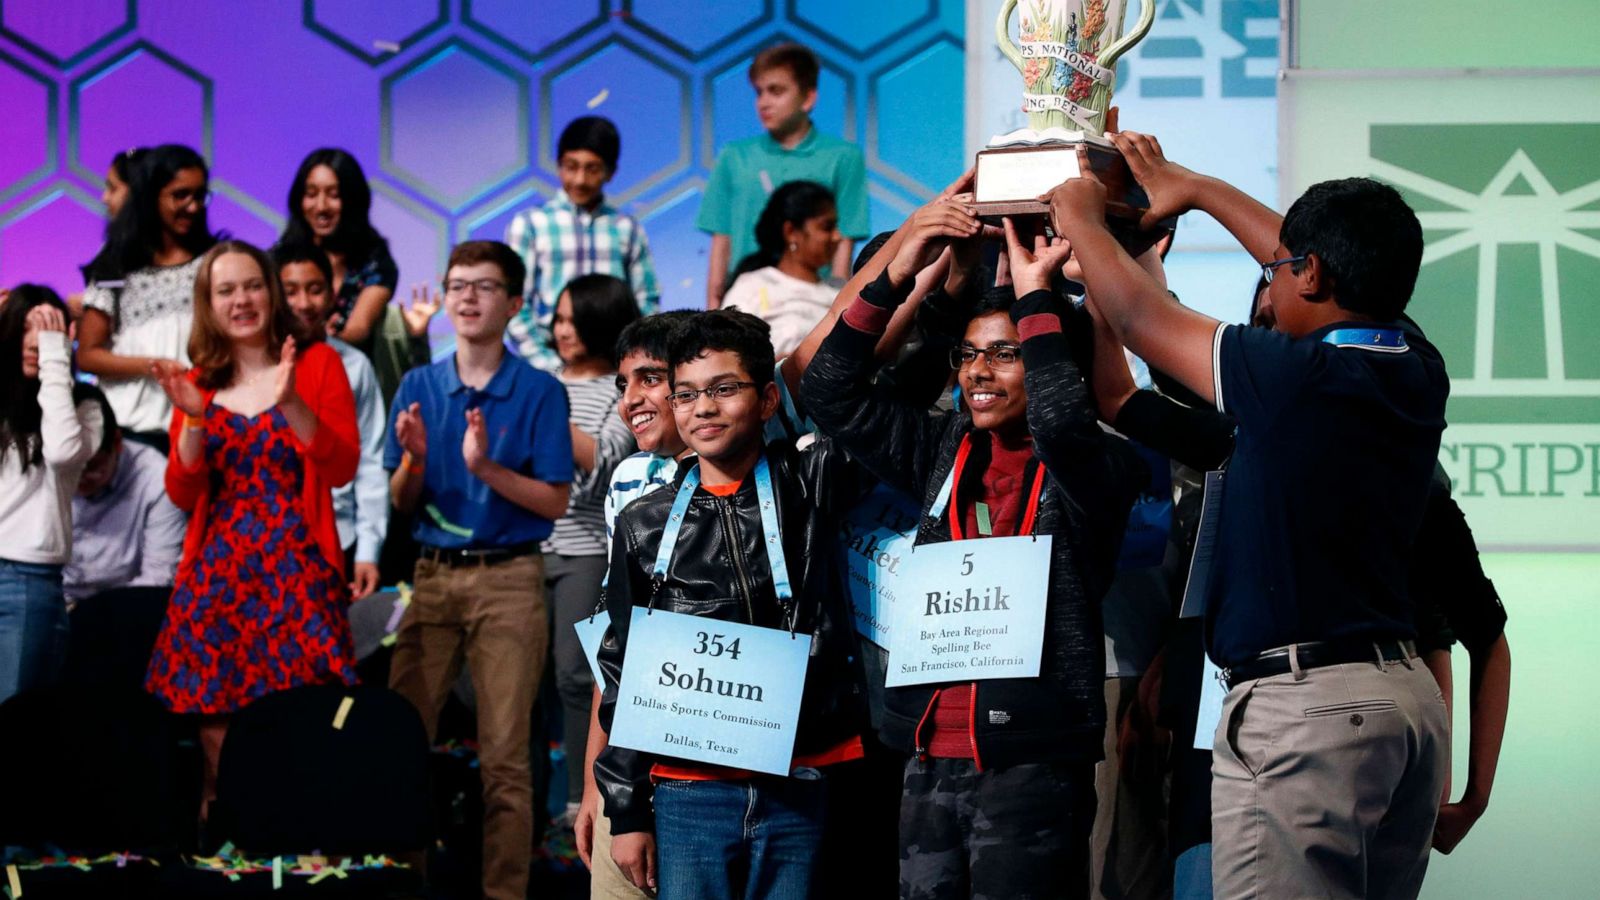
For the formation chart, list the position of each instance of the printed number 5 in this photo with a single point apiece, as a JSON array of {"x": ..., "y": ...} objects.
[{"x": 966, "y": 564}]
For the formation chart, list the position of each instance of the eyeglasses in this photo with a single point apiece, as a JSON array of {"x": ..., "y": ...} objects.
[
  {"x": 457, "y": 287},
  {"x": 999, "y": 356},
  {"x": 1268, "y": 267},
  {"x": 717, "y": 392}
]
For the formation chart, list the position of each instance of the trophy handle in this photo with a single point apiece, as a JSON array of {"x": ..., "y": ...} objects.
[
  {"x": 1003, "y": 33},
  {"x": 1109, "y": 55}
]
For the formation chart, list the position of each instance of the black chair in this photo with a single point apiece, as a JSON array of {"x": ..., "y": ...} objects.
[
  {"x": 112, "y": 636},
  {"x": 336, "y": 771},
  {"x": 89, "y": 772}
]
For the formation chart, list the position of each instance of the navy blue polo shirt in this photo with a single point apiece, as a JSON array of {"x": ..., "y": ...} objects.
[
  {"x": 1326, "y": 489},
  {"x": 526, "y": 414}
]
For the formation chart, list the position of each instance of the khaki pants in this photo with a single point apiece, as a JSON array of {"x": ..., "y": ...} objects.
[
  {"x": 1326, "y": 782},
  {"x": 606, "y": 881},
  {"x": 1128, "y": 847},
  {"x": 491, "y": 617}
]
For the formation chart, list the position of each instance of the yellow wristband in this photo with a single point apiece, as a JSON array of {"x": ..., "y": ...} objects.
[
  {"x": 411, "y": 465},
  {"x": 193, "y": 421}
]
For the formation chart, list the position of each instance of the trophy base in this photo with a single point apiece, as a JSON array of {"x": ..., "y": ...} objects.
[{"x": 1009, "y": 181}]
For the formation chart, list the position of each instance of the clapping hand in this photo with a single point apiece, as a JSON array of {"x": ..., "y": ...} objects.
[
  {"x": 475, "y": 444},
  {"x": 174, "y": 381},
  {"x": 283, "y": 376},
  {"x": 424, "y": 306},
  {"x": 411, "y": 432}
]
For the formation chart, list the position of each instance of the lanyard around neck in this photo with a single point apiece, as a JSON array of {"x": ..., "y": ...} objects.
[
  {"x": 946, "y": 499},
  {"x": 1383, "y": 340},
  {"x": 769, "y": 528}
]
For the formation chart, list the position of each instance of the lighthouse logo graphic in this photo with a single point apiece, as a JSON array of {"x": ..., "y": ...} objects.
[{"x": 1510, "y": 281}]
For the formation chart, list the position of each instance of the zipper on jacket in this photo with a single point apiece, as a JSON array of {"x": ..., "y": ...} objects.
[
  {"x": 916, "y": 737},
  {"x": 972, "y": 727},
  {"x": 731, "y": 532}
]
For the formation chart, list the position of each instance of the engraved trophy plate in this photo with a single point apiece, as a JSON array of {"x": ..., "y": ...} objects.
[{"x": 1066, "y": 55}]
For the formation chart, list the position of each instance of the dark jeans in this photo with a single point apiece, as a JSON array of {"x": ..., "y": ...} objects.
[
  {"x": 756, "y": 839},
  {"x": 1016, "y": 833}
]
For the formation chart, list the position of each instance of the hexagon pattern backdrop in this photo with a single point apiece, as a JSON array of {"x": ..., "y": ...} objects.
[{"x": 452, "y": 106}]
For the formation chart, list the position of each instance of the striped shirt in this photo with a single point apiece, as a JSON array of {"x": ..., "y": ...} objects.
[
  {"x": 583, "y": 530},
  {"x": 558, "y": 242},
  {"x": 634, "y": 477}
]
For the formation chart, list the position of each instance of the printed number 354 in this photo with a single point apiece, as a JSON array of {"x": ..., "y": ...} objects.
[{"x": 712, "y": 645}]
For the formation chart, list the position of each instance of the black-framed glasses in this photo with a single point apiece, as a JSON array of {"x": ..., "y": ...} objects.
[
  {"x": 486, "y": 286},
  {"x": 998, "y": 356},
  {"x": 1267, "y": 268},
  {"x": 718, "y": 393}
]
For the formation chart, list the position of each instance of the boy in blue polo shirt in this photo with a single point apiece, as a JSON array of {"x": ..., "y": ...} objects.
[
  {"x": 747, "y": 171},
  {"x": 1333, "y": 743},
  {"x": 481, "y": 450}
]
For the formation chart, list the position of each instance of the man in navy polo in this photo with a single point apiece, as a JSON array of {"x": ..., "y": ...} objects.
[
  {"x": 1333, "y": 744},
  {"x": 481, "y": 451}
]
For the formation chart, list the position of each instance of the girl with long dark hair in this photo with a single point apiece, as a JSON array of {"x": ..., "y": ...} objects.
[
  {"x": 137, "y": 307},
  {"x": 264, "y": 429},
  {"x": 47, "y": 434},
  {"x": 781, "y": 282},
  {"x": 329, "y": 204}
]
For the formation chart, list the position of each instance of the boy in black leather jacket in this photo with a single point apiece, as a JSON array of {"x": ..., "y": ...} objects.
[
  {"x": 998, "y": 796},
  {"x": 723, "y": 832}
]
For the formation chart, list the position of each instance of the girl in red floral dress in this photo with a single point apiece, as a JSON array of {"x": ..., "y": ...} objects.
[{"x": 261, "y": 434}]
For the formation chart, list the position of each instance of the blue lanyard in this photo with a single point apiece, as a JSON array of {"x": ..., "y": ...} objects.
[
  {"x": 769, "y": 528},
  {"x": 1383, "y": 340}
]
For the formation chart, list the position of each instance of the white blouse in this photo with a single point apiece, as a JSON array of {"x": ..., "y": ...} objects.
[
  {"x": 792, "y": 307},
  {"x": 151, "y": 313}
]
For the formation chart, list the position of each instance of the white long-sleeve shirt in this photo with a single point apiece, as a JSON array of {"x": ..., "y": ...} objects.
[
  {"x": 361, "y": 508},
  {"x": 36, "y": 504}
]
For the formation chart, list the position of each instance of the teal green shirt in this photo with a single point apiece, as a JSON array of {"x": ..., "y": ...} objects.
[{"x": 748, "y": 171}]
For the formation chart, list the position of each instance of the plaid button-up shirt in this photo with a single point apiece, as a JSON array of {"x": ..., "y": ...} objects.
[{"x": 558, "y": 242}]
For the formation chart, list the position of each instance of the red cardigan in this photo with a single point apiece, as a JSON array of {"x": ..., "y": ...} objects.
[{"x": 329, "y": 461}]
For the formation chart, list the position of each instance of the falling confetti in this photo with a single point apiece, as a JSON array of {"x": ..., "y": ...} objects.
[{"x": 599, "y": 98}]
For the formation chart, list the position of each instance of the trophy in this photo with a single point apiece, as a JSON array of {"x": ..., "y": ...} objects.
[{"x": 1066, "y": 56}]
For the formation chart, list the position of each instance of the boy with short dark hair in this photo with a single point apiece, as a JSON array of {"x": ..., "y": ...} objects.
[
  {"x": 360, "y": 508},
  {"x": 643, "y": 383},
  {"x": 1334, "y": 740},
  {"x": 482, "y": 450},
  {"x": 577, "y": 233},
  {"x": 746, "y": 172},
  {"x": 725, "y": 832}
]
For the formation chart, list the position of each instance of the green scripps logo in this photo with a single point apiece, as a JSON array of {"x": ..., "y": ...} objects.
[
  {"x": 1510, "y": 293},
  {"x": 1510, "y": 283}
]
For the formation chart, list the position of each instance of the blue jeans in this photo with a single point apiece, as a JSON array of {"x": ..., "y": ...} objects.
[
  {"x": 33, "y": 626},
  {"x": 757, "y": 839}
]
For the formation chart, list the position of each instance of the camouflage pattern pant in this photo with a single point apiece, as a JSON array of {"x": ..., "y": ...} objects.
[{"x": 1019, "y": 833}]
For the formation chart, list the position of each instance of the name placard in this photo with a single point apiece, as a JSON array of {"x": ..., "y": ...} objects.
[
  {"x": 877, "y": 536},
  {"x": 591, "y": 632},
  {"x": 971, "y": 610},
  {"x": 711, "y": 691}
]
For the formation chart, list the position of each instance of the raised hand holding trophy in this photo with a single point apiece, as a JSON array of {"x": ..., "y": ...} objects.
[{"x": 1067, "y": 54}]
